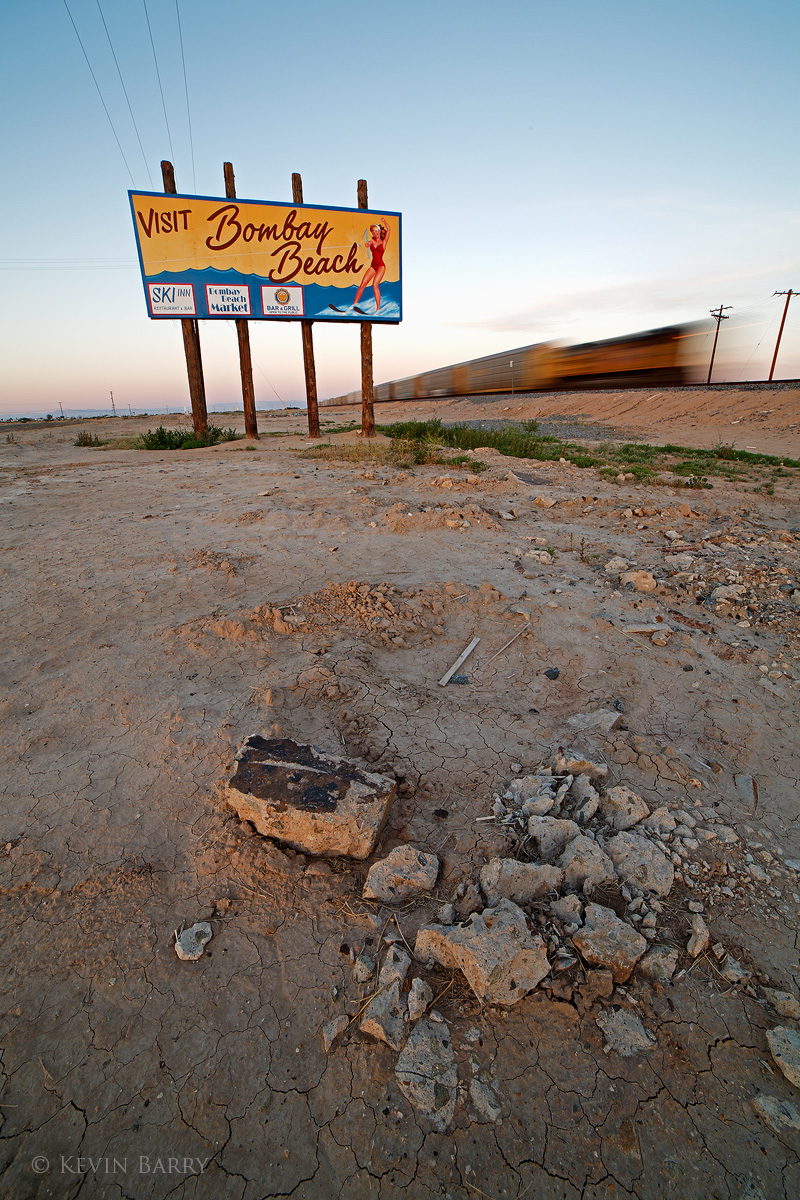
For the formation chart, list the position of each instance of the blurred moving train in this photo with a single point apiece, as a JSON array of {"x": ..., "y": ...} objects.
[{"x": 655, "y": 358}]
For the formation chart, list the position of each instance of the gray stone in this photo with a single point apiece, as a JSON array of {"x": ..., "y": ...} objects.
[
  {"x": 405, "y": 872},
  {"x": 395, "y": 966},
  {"x": 191, "y": 942},
  {"x": 333, "y": 1030},
  {"x": 384, "y": 1016},
  {"x": 700, "y": 938},
  {"x": 585, "y": 864},
  {"x": 521, "y": 882},
  {"x": 528, "y": 787},
  {"x": 315, "y": 802},
  {"x": 784, "y": 1046},
  {"x": 641, "y": 864},
  {"x": 600, "y": 721},
  {"x": 586, "y": 797},
  {"x": 485, "y": 1102},
  {"x": 568, "y": 910},
  {"x": 419, "y": 997},
  {"x": 446, "y": 914},
  {"x": 550, "y": 835},
  {"x": 607, "y": 941},
  {"x": 427, "y": 1075},
  {"x": 784, "y": 1003},
  {"x": 659, "y": 964},
  {"x": 625, "y": 1033},
  {"x": 780, "y": 1115},
  {"x": 363, "y": 968},
  {"x": 733, "y": 970},
  {"x": 495, "y": 950},
  {"x": 622, "y": 808}
]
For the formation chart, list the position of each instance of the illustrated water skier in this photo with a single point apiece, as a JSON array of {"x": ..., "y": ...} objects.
[{"x": 375, "y": 240}]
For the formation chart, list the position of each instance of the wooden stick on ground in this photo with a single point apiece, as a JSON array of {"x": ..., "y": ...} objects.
[{"x": 461, "y": 659}]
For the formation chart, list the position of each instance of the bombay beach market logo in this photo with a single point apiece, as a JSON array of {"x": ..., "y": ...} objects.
[{"x": 282, "y": 301}]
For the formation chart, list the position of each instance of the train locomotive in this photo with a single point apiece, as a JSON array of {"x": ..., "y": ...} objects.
[{"x": 665, "y": 357}]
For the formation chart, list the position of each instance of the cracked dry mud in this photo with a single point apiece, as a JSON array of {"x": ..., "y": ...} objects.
[{"x": 322, "y": 602}]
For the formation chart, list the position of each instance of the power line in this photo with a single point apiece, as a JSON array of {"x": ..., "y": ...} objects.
[
  {"x": 158, "y": 76},
  {"x": 186, "y": 89},
  {"x": 100, "y": 94},
  {"x": 125, "y": 91}
]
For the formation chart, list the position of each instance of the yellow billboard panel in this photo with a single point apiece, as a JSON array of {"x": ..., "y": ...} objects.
[{"x": 228, "y": 258}]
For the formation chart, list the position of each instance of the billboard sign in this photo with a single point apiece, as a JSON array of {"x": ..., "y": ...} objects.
[{"x": 230, "y": 259}]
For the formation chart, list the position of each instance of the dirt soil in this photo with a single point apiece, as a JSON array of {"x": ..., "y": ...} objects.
[{"x": 141, "y": 648}]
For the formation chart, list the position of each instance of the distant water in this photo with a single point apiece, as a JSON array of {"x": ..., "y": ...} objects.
[{"x": 40, "y": 414}]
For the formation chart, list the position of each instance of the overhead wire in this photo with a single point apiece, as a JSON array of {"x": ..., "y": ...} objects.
[
  {"x": 186, "y": 90},
  {"x": 100, "y": 94},
  {"x": 158, "y": 76},
  {"x": 125, "y": 92}
]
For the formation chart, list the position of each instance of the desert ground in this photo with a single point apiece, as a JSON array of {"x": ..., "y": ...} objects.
[{"x": 160, "y": 607}]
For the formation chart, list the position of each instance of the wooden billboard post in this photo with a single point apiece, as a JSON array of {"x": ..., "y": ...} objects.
[
  {"x": 191, "y": 337},
  {"x": 308, "y": 342},
  {"x": 243, "y": 335},
  {"x": 367, "y": 409}
]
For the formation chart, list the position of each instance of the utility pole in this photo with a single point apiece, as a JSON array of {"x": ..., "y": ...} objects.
[
  {"x": 309, "y": 367},
  {"x": 113, "y": 405},
  {"x": 367, "y": 409},
  {"x": 788, "y": 296},
  {"x": 718, "y": 317},
  {"x": 243, "y": 337},
  {"x": 191, "y": 336}
]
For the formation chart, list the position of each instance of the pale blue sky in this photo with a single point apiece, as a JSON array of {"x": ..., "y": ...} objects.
[{"x": 572, "y": 171}]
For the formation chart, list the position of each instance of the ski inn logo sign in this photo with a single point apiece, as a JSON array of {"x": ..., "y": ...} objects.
[{"x": 232, "y": 259}]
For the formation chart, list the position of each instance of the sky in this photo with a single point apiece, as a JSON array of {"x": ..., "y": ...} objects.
[{"x": 568, "y": 172}]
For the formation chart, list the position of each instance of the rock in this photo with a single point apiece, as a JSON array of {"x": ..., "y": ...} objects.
[
  {"x": 598, "y": 985},
  {"x": 363, "y": 968},
  {"x": 568, "y": 910},
  {"x": 404, "y": 872},
  {"x": 700, "y": 939},
  {"x": 780, "y": 1115},
  {"x": 468, "y": 902},
  {"x": 427, "y": 1075},
  {"x": 784, "y": 1003},
  {"x": 615, "y": 566},
  {"x": 419, "y": 997},
  {"x": 538, "y": 807},
  {"x": 641, "y": 864},
  {"x": 733, "y": 971},
  {"x": 528, "y": 787},
  {"x": 659, "y": 964},
  {"x": 333, "y": 1030},
  {"x": 607, "y": 941},
  {"x": 544, "y": 501},
  {"x": 501, "y": 960},
  {"x": 384, "y": 1017},
  {"x": 552, "y": 673},
  {"x": 622, "y": 808},
  {"x": 625, "y": 1033},
  {"x": 313, "y": 801},
  {"x": 395, "y": 966},
  {"x": 574, "y": 762},
  {"x": 784, "y": 1046},
  {"x": 585, "y": 864},
  {"x": 445, "y": 914},
  {"x": 550, "y": 836},
  {"x": 190, "y": 944},
  {"x": 600, "y": 721},
  {"x": 521, "y": 882},
  {"x": 586, "y": 797},
  {"x": 485, "y": 1102},
  {"x": 638, "y": 581},
  {"x": 660, "y": 821}
]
